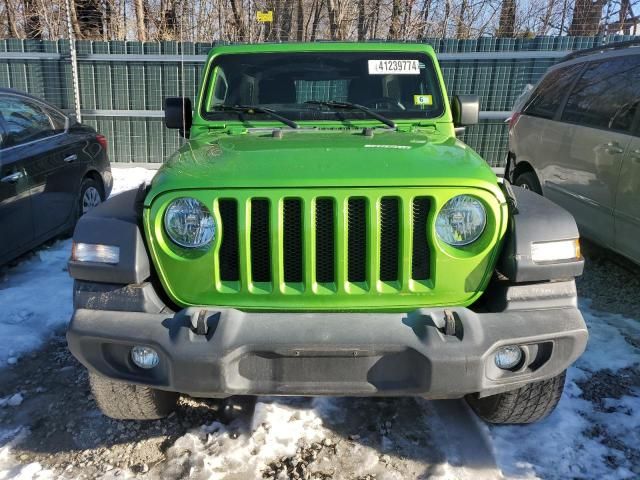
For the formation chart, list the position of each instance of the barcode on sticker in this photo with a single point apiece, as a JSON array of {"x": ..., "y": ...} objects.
[{"x": 394, "y": 67}]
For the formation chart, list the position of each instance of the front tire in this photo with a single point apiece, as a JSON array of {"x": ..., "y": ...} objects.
[
  {"x": 527, "y": 404},
  {"x": 528, "y": 181},
  {"x": 124, "y": 401}
]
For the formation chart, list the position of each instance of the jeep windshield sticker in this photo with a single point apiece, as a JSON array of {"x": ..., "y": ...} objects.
[
  {"x": 423, "y": 100},
  {"x": 397, "y": 147},
  {"x": 394, "y": 67}
]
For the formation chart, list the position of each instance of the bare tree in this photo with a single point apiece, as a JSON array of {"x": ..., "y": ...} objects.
[
  {"x": 237, "y": 18},
  {"x": 394, "y": 27},
  {"x": 586, "y": 17},
  {"x": 12, "y": 28},
  {"x": 32, "y": 27},
  {"x": 335, "y": 20},
  {"x": 507, "y": 25},
  {"x": 299, "y": 21},
  {"x": 141, "y": 25}
]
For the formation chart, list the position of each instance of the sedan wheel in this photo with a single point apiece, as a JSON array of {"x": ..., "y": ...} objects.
[{"x": 90, "y": 199}]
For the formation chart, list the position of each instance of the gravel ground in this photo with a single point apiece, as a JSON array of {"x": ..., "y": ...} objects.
[
  {"x": 70, "y": 438},
  {"x": 611, "y": 281}
]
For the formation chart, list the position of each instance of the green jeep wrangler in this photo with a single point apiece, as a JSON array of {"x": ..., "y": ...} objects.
[{"x": 323, "y": 232}]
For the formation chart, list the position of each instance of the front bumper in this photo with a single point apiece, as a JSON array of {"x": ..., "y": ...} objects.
[{"x": 328, "y": 353}]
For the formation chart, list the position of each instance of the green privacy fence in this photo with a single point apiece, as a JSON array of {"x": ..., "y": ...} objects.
[{"x": 122, "y": 84}]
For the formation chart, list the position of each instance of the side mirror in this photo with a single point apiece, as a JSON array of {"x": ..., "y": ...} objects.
[
  {"x": 178, "y": 114},
  {"x": 465, "y": 110},
  {"x": 71, "y": 120}
]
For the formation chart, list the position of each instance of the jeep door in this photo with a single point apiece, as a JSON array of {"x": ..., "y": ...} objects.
[
  {"x": 16, "y": 218},
  {"x": 591, "y": 139},
  {"x": 627, "y": 211}
]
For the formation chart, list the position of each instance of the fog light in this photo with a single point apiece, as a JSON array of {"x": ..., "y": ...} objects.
[
  {"x": 91, "y": 252},
  {"x": 508, "y": 357},
  {"x": 144, "y": 357}
]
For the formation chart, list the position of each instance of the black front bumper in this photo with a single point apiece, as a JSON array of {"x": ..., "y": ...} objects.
[{"x": 328, "y": 353}]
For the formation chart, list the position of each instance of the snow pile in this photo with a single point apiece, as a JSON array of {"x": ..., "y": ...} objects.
[
  {"x": 283, "y": 434},
  {"x": 36, "y": 295},
  {"x": 10, "y": 468},
  {"x": 12, "y": 400},
  {"x": 582, "y": 439},
  {"x": 215, "y": 450}
]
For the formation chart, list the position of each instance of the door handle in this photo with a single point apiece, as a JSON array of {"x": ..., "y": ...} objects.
[
  {"x": 613, "y": 148},
  {"x": 12, "y": 178},
  {"x": 71, "y": 158}
]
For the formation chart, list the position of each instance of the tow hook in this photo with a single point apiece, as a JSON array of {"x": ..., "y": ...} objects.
[
  {"x": 449, "y": 323},
  {"x": 199, "y": 322}
]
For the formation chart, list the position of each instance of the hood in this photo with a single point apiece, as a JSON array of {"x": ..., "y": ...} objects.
[{"x": 341, "y": 158}]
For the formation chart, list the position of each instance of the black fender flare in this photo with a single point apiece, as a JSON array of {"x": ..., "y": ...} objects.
[
  {"x": 116, "y": 222},
  {"x": 533, "y": 219}
]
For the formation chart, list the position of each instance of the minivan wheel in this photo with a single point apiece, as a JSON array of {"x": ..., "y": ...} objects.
[
  {"x": 125, "y": 401},
  {"x": 527, "y": 404},
  {"x": 529, "y": 181}
]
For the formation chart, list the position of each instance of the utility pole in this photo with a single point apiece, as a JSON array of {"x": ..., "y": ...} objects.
[{"x": 74, "y": 62}]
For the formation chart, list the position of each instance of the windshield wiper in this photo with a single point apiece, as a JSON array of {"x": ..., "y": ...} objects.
[
  {"x": 354, "y": 106},
  {"x": 257, "y": 109}
]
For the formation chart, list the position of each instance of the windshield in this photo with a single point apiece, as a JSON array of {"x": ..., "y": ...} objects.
[{"x": 396, "y": 85}]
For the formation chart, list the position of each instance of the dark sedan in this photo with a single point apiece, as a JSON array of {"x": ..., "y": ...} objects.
[{"x": 52, "y": 170}]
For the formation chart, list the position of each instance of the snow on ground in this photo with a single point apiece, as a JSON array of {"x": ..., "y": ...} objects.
[
  {"x": 581, "y": 438},
  {"x": 593, "y": 434},
  {"x": 36, "y": 295}
]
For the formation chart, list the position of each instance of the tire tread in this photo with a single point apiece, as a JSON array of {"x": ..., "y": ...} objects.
[
  {"x": 526, "y": 404},
  {"x": 124, "y": 401}
]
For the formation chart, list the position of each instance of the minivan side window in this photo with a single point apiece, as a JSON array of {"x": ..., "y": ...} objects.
[
  {"x": 546, "y": 99},
  {"x": 606, "y": 95}
]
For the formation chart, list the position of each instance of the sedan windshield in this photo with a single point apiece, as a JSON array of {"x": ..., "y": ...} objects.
[{"x": 298, "y": 85}]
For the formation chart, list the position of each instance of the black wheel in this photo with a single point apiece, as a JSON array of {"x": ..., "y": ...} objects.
[
  {"x": 528, "y": 181},
  {"x": 90, "y": 196},
  {"x": 124, "y": 401},
  {"x": 527, "y": 404}
]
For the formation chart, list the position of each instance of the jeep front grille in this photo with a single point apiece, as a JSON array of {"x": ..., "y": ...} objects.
[{"x": 294, "y": 244}]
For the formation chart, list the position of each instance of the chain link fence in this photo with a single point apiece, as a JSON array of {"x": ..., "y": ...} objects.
[{"x": 122, "y": 85}]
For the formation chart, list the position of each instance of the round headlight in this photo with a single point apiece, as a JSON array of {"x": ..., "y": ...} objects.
[
  {"x": 461, "y": 221},
  {"x": 189, "y": 223}
]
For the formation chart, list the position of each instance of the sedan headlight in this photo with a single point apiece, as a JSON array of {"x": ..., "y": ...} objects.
[
  {"x": 189, "y": 223},
  {"x": 461, "y": 221}
]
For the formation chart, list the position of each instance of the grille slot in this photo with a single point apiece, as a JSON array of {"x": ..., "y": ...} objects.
[
  {"x": 260, "y": 251},
  {"x": 325, "y": 241},
  {"x": 389, "y": 239},
  {"x": 357, "y": 240},
  {"x": 420, "y": 268},
  {"x": 292, "y": 241},
  {"x": 229, "y": 256}
]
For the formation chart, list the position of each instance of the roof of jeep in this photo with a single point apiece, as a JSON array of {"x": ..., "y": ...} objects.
[{"x": 322, "y": 47}]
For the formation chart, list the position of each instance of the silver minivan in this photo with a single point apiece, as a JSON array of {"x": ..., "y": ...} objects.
[{"x": 576, "y": 140}]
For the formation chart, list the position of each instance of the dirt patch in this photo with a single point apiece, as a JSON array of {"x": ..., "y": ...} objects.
[
  {"x": 67, "y": 432},
  {"x": 605, "y": 384},
  {"x": 610, "y": 281}
]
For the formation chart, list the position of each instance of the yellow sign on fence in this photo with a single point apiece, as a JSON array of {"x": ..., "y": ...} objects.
[{"x": 265, "y": 17}]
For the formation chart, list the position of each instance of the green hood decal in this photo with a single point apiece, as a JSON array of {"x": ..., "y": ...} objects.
[{"x": 341, "y": 158}]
